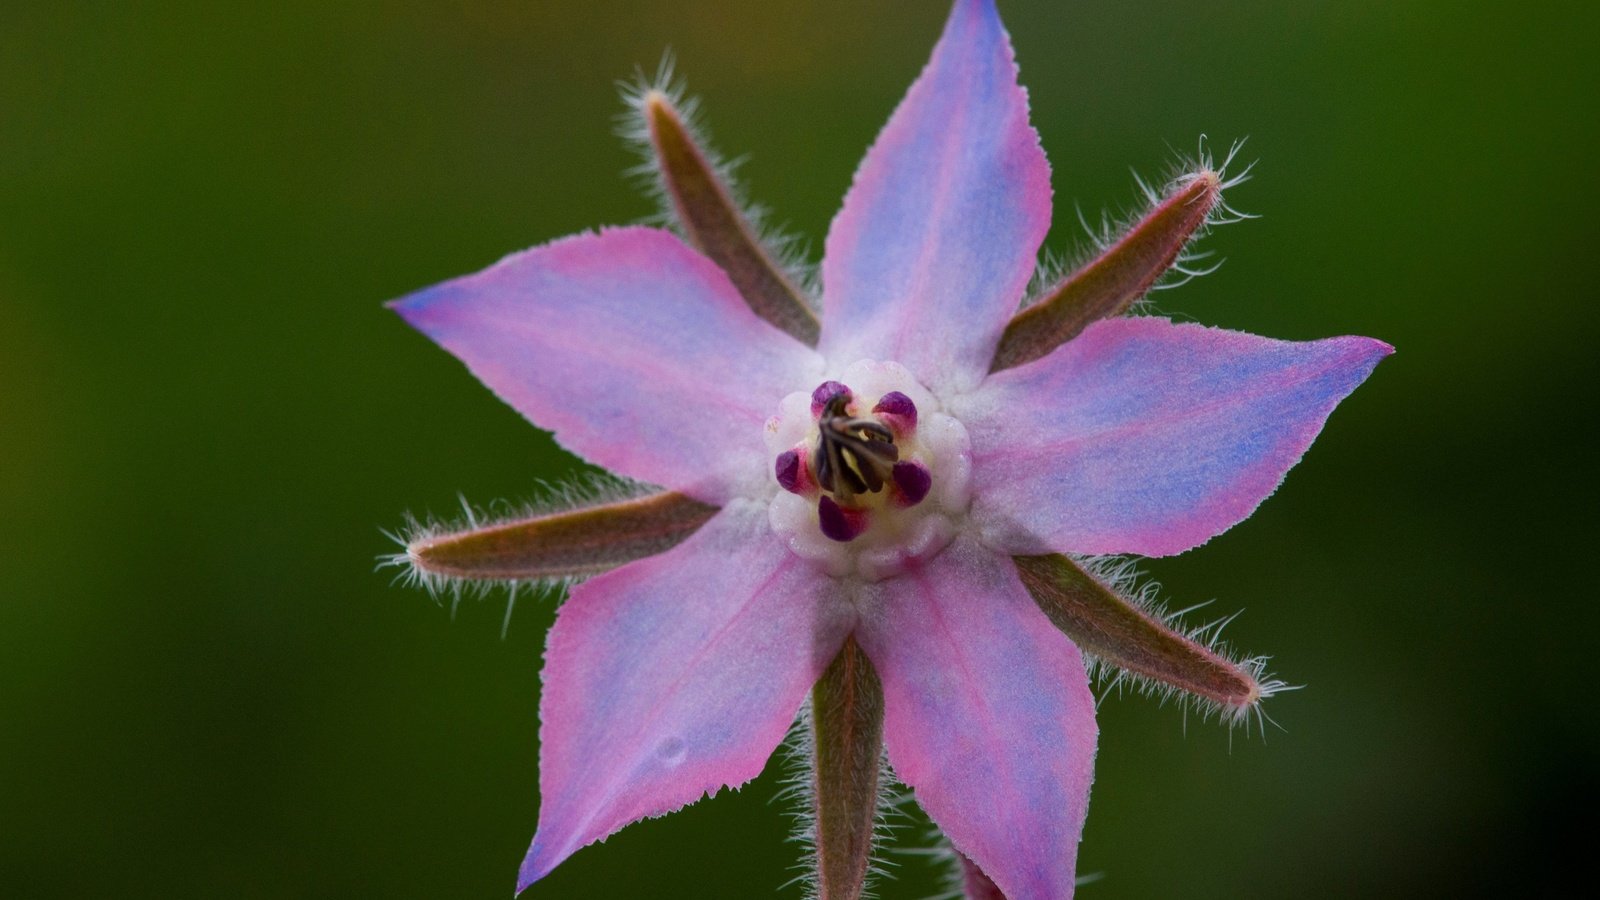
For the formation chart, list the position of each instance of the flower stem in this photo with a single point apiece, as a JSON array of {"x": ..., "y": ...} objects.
[{"x": 847, "y": 727}]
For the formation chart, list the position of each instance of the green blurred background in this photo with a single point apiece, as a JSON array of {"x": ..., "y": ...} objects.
[{"x": 206, "y": 416}]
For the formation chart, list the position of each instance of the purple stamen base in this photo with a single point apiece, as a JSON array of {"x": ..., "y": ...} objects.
[
  {"x": 898, "y": 411},
  {"x": 913, "y": 481},
  {"x": 838, "y": 523},
  {"x": 824, "y": 393},
  {"x": 788, "y": 471},
  {"x": 896, "y": 404}
]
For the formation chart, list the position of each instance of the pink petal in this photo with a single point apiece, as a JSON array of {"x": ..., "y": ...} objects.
[
  {"x": 635, "y": 350},
  {"x": 987, "y": 715},
  {"x": 936, "y": 242},
  {"x": 673, "y": 676},
  {"x": 1145, "y": 436}
]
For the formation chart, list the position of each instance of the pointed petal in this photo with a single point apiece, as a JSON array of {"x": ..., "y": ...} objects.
[
  {"x": 1145, "y": 436},
  {"x": 571, "y": 543},
  {"x": 1107, "y": 625},
  {"x": 635, "y": 350},
  {"x": 937, "y": 238},
  {"x": 988, "y": 716},
  {"x": 1109, "y": 284},
  {"x": 847, "y": 743},
  {"x": 673, "y": 676},
  {"x": 715, "y": 225}
]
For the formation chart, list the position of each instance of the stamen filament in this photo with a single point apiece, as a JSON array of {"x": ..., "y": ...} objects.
[{"x": 854, "y": 456}]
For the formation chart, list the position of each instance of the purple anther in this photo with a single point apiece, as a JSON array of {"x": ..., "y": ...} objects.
[
  {"x": 913, "y": 481},
  {"x": 824, "y": 394},
  {"x": 838, "y": 523},
  {"x": 898, "y": 412},
  {"x": 895, "y": 403},
  {"x": 788, "y": 471}
]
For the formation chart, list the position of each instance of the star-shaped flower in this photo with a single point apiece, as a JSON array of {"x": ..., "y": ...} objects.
[{"x": 886, "y": 504}]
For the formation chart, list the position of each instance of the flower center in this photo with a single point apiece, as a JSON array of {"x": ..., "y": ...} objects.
[
  {"x": 874, "y": 475},
  {"x": 853, "y": 456}
]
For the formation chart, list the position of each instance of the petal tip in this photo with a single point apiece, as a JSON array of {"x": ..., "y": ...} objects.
[
  {"x": 420, "y": 306},
  {"x": 410, "y": 303},
  {"x": 1364, "y": 353},
  {"x": 536, "y": 865},
  {"x": 1367, "y": 346}
]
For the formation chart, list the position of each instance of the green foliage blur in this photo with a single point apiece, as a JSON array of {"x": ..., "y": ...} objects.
[{"x": 206, "y": 416}]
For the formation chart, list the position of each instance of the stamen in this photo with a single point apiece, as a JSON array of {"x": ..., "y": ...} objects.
[
  {"x": 898, "y": 411},
  {"x": 826, "y": 393},
  {"x": 913, "y": 480},
  {"x": 854, "y": 456},
  {"x": 874, "y": 475},
  {"x": 788, "y": 471},
  {"x": 838, "y": 523}
]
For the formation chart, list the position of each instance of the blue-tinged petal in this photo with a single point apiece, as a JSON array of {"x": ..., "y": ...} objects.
[
  {"x": 674, "y": 676},
  {"x": 1149, "y": 437},
  {"x": 987, "y": 715},
  {"x": 634, "y": 349},
  {"x": 936, "y": 242}
]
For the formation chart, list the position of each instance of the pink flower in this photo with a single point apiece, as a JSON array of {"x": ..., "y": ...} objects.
[{"x": 892, "y": 496}]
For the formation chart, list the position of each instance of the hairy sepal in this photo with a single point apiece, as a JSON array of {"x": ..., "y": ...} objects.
[
  {"x": 847, "y": 742},
  {"x": 556, "y": 546},
  {"x": 704, "y": 206},
  {"x": 1120, "y": 631},
  {"x": 799, "y": 794},
  {"x": 1111, "y": 282}
]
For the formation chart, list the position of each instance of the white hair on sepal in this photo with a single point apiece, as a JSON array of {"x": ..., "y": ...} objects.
[
  {"x": 1193, "y": 263},
  {"x": 790, "y": 252},
  {"x": 1108, "y": 227},
  {"x": 1048, "y": 270},
  {"x": 798, "y": 792},
  {"x": 1122, "y": 575},
  {"x": 593, "y": 489},
  {"x": 937, "y": 852},
  {"x": 890, "y": 816}
]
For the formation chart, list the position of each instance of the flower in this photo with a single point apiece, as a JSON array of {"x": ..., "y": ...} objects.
[{"x": 888, "y": 505}]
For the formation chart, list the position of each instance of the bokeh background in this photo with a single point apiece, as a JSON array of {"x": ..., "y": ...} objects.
[{"x": 206, "y": 417}]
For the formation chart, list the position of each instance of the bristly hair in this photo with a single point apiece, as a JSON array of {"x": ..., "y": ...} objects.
[
  {"x": 798, "y": 793},
  {"x": 1121, "y": 574},
  {"x": 1191, "y": 263},
  {"x": 789, "y": 251},
  {"x": 589, "y": 490}
]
